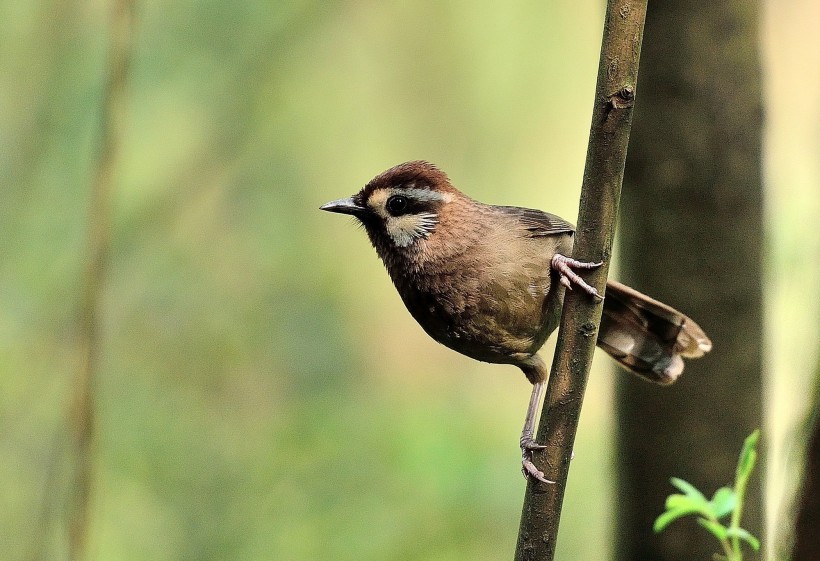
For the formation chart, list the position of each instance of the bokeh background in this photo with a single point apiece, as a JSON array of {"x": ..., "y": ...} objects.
[{"x": 262, "y": 393}]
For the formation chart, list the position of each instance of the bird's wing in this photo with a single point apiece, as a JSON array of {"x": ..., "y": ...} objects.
[{"x": 537, "y": 223}]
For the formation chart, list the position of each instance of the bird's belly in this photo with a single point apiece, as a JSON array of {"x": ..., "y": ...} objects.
[{"x": 499, "y": 322}]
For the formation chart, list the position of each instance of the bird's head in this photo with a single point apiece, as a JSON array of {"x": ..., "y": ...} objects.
[{"x": 401, "y": 208}]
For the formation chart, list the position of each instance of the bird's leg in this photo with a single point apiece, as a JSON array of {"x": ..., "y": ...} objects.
[
  {"x": 565, "y": 265},
  {"x": 528, "y": 443}
]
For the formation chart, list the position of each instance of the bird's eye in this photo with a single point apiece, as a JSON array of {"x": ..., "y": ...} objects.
[{"x": 396, "y": 204}]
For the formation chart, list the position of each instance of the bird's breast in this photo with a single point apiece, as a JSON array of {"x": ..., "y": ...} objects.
[{"x": 489, "y": 305}]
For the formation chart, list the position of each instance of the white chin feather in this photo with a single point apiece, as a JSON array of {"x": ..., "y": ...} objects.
[{"x": 406, "y": 229}]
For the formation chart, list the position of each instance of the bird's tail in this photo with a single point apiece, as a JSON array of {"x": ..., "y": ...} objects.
[{"x": 646, "y": 336}]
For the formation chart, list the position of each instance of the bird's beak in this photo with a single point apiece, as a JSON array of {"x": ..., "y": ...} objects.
[{"x": 344, "y": 206}]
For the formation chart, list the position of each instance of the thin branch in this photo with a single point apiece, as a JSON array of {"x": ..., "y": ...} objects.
[
  {"x": 82, "y": 420},
  {"x": 600, "y": 193}
]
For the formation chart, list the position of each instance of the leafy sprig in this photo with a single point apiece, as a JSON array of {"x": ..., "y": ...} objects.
[{"x": 725, "y": 501}]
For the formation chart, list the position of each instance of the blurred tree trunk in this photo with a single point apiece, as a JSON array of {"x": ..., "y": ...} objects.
[
  {"x": 807, "y": 525},
  {"x": 692, "y": 232}
]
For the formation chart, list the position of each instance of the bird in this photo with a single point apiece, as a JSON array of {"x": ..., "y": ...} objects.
[{"x": 489, "y": 281}]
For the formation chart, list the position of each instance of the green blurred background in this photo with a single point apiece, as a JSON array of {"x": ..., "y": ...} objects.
[{"x": 262, "y": 393}]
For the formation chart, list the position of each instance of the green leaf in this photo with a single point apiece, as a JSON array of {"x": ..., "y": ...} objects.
[
  {"x": 684, "y": 502},
  {"x": 748, "y": 456},
  {"x": 723, "y": 502},
  {"x": 744, "y": 535},
  {"x": 716, "y": 528},
  {"x": 668, "y": 517},
  {"x": 689, "y": 489}
]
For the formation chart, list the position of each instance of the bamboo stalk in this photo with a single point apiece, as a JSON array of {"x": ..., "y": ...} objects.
[{"x": 82, "y": 418}]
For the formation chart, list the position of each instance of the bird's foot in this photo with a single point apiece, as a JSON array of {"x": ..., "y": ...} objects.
[
  {"x": 528, "y": 445},
  {"x": 565, "y": 265}
]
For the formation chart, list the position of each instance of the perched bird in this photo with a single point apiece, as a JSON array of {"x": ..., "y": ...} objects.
[{"x": 488, "y": 281}]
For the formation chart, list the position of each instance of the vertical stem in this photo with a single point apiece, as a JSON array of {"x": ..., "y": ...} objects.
[
  {"x": 82, "y": 419},
  {"x": 807, "y": 518},
  {"x": 600, "y": 193}
]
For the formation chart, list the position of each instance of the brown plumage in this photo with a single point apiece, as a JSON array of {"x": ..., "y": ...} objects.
[{"x": 488, "y": 281}]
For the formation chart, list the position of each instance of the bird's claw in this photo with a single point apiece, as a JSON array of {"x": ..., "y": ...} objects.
[
  {"x": 565, "y": 265},
  {"x": 528, "y": 444},
  {"x": 529, "y": 470}
]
